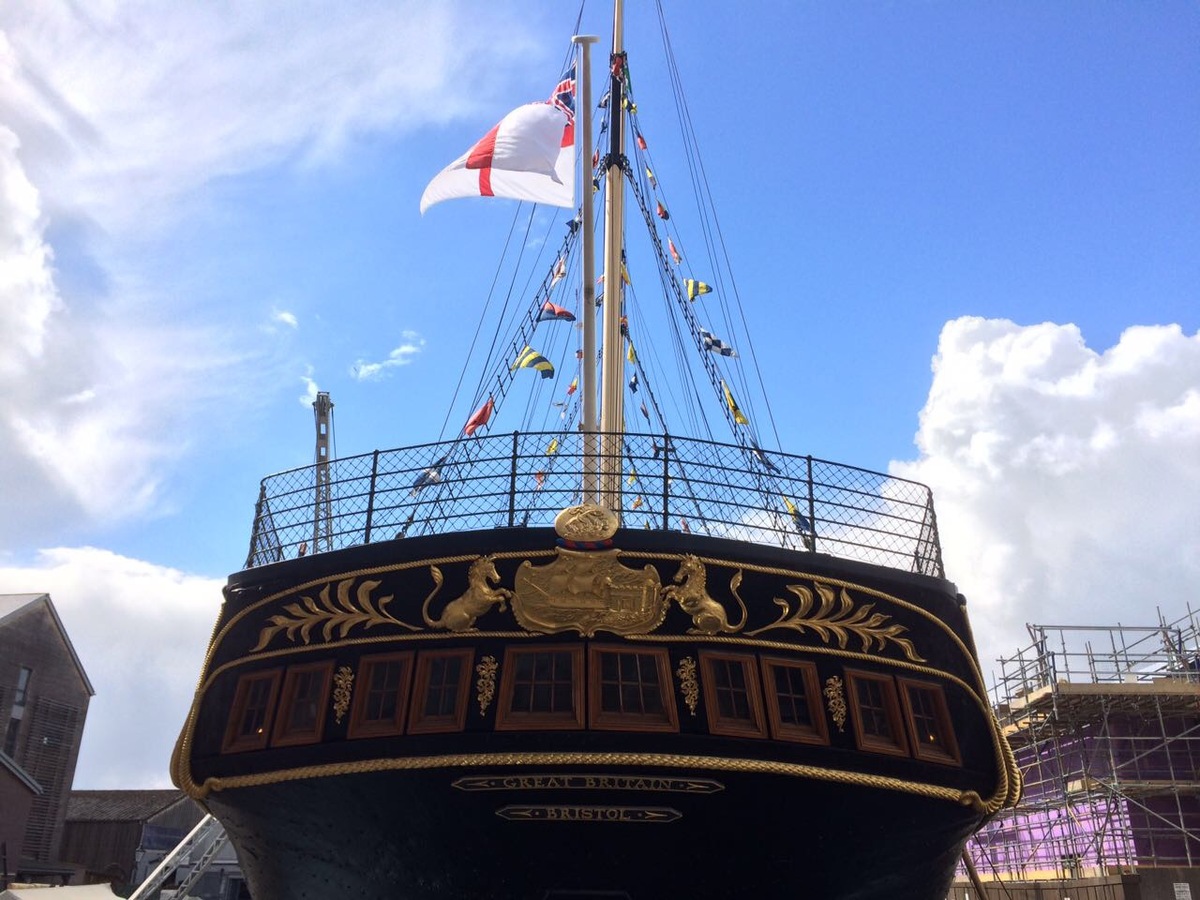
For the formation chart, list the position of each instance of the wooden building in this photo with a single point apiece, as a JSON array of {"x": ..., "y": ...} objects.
[
  {"x": 111, "y": 834},
  {"x": 44, "y": 695}
]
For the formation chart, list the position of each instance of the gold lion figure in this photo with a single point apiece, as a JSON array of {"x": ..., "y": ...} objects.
[
  {"x": 689, "y": 591},
  {"x": 460, "y": 614}
]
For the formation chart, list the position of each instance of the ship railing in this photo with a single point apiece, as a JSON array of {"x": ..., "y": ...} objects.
[{"x": 670, "y": 483}]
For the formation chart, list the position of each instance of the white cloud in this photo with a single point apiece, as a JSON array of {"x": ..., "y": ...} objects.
[
  {"x": 137, "y": 103},
  {"x": 113, "y": 117},
  {"x": 1066, "y": 480},
  {"x": 309, "y": 397},
  {"x": 140, "y": 631},
  {"x": 283, "y": 317},
  {"x": 411, "y": 345}
]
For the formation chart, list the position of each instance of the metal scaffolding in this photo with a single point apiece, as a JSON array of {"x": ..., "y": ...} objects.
[{"x": 1105, "y": 723}]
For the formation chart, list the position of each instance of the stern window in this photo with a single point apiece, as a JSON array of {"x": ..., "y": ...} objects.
[
  {"x": 876, "y": 711},
  {"x": 250, "y": 717},
  {"x": 929, "y": 722},
  {"x": 382, "y": 695},
  {"x": 302, "y": 709},
  {"x": 794, "y": 701},
  {"x": 631, "y": 690},
  {"x": 541, "y": 689},
  {"x": 440, "y": 694},
  {"x": 732, "y": 697}
]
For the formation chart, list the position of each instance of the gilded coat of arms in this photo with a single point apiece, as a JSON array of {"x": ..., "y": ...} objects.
[{"x": 588, "y": 592}]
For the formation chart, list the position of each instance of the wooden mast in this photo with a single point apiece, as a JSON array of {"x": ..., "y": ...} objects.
[
  {"x": 583, "y": 116},
  {"x": 612, "y": 396}
]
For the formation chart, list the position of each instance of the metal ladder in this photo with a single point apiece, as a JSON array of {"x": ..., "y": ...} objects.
[{"x": 206, "y": 839}]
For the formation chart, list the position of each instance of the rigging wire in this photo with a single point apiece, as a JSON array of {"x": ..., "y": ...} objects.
[
  {"x": 479, "y": 325},
  {"x": 701, "y": 177}
]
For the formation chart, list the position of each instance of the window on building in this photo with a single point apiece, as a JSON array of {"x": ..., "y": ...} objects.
[
  {"x": 381, "y": 695},
  {"x": 17, "y": 712},
  {"x": 305, "y": 698},
  {"x": 250, "y": 717},
  {"x": 631, "y": 690},
  {"x": 732, "y": 697},
  {"x": 439, "y": 703},
  {"x": 22, "y": 692},
  {"x": 878, "y": 726},
  {"x": 541, "y": 688},
  {"x": 794, "y": 701},
  {"x": 929, "y": 722}
]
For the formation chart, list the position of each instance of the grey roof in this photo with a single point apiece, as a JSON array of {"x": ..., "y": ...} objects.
[
  {"x": 24, "y": 777},
  {"x": 12, "y": 605},
  {"x": 119, "y": 806}
]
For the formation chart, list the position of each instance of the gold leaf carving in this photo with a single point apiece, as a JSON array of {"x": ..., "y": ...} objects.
[
  {"x": 343, "y": 682},
  {"x": 485, "y": 686},
  {"x": 332, "y": 615},
  {"x": 836, "y": 701},
  {"x": 688, "y": 683},
  {"x": 841, "y": 623},
  {"x": 690, "y": 591},
  {"x": 460, "y": 614}
]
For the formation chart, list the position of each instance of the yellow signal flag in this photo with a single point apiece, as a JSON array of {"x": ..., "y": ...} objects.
[
  {"x": 696, "y": 288},
  {"x": 631, "y": 354},
  {"x": 738, "y": 415},
  {"x": 553, "y": 447}
]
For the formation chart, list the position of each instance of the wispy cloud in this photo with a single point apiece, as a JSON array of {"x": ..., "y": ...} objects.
[
  {"x": 410, "y": 346},
  {"x": 1065, "y": 478},
  {"x": 115, "y": 115}
]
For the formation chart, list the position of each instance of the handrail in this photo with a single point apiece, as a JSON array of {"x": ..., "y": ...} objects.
[{"x": 523, "y": 479}]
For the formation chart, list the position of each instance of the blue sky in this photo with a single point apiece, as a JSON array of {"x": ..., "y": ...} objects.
[{"x": 207, "y": 215}]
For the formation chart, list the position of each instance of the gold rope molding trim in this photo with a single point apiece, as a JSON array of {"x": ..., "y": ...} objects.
[{"x": 671, "y": 760}]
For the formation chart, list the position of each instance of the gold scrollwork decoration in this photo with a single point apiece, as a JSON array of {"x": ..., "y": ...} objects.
[
  {"x": 485, "y": 685},
  {"x": 688, "y": 683},
  {"x": 460, "y": 614},
  {"x": 836, "y": 700},
  {"x": 332, "y": 615},
  {"x": 691, "y": 593},
  {"x": 840, "y": 624},
  {"x": 343, "y": 683}
]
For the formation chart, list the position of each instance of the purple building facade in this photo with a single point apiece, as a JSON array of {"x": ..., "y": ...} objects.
[{"x": 1105, "y": 724}]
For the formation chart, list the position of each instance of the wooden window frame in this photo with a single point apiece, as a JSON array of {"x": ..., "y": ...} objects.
[
  {"x": 233, "y": 742},
  {"x": 507, "y": 720},
  {"x": 757, "y": 728},
  {"x": 602, "y": 720},
  {"x": 871, "y": 743},
  {"x": 360, "y": 726},
  {"x": 950, "y": 756},
  {"x": 282, "y": 738},
  {"x": 787, "y": 731},
  {"x": 418, "y": 722}
]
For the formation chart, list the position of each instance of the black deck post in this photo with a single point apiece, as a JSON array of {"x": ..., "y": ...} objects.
[
  {"x": 371, "y": 496},
  {"x": 666, "y": 522},
  {"x": 812, "y": 509},
  {"x": 512, "y": 483}
]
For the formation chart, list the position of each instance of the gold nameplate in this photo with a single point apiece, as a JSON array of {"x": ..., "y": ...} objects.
[
  {"x": 550, "y": 782},
  {"x": 589, "y": 814}
]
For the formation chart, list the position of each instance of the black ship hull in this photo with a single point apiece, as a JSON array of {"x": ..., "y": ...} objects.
[
  {"x": 795, "y": 725},
  {"x": 654, "y": 836}
]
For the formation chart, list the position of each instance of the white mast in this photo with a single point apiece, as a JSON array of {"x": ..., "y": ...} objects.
[
  {"x": 612, "y": 397},
  {"x": 583, "y": 116}
]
